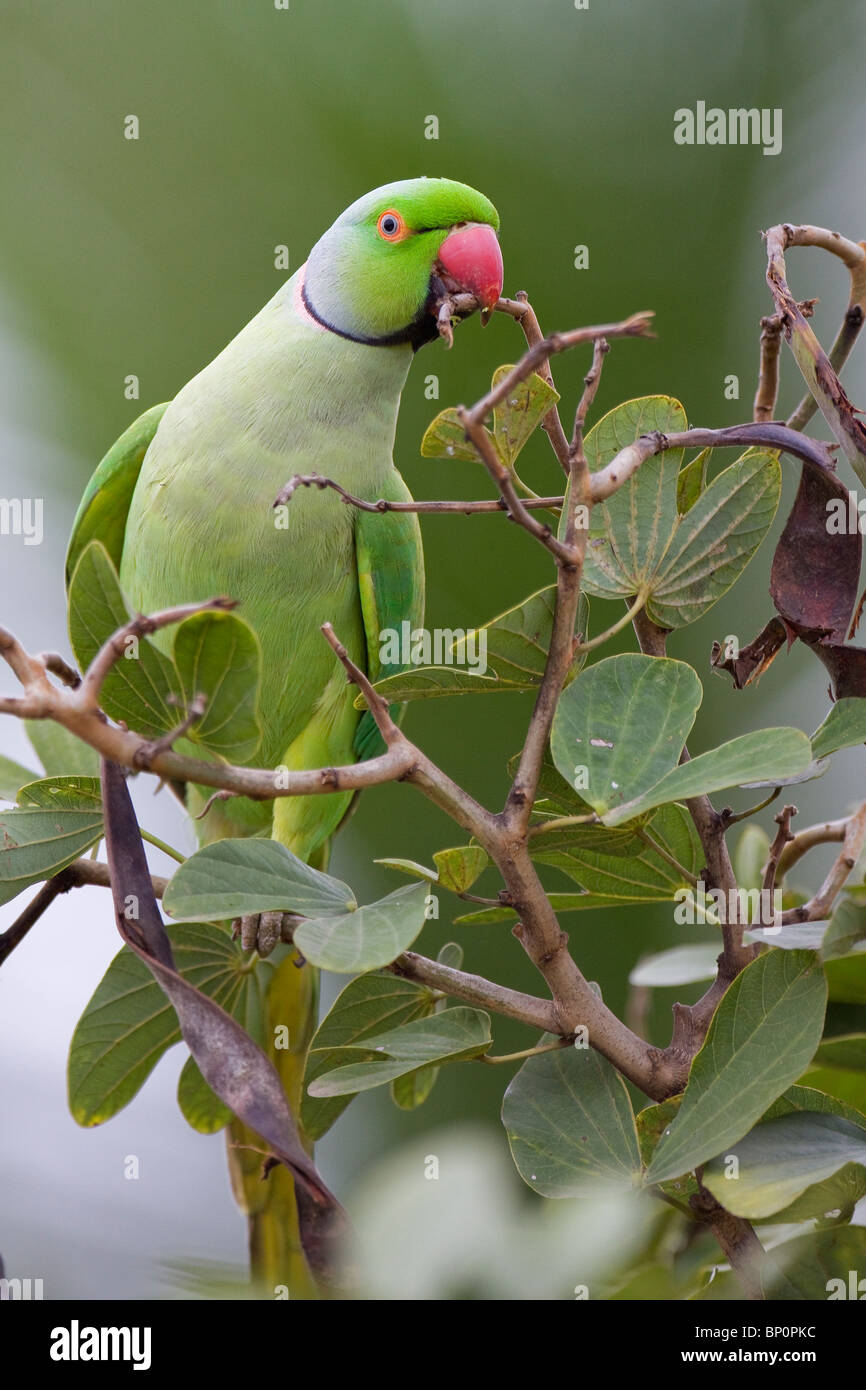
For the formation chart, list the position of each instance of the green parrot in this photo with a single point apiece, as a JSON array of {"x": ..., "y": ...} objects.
[{"x": 183, "y": 503}]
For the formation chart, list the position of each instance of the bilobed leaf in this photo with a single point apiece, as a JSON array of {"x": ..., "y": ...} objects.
[
  {"x": 770, "y": 754},
  {"x": 59, "y": 751},
  {"x": 763, "y": 1033},
  {"x": 713, "y": 544},
  {"x": 139, "y": 686},
  {"x": 454, "y": 1035},
  {"x": 231, "y": 878},
  {"x": 630, "y": 532},
  {"x": 844, "y": 726},
  {"x": 445, "y": 437},
  {"x": 128, "y": 1023},
  {"x": 13, "y": 776},
  {"x": 817, "y": 1267},
  {"x": 367, "y": 938},
  {"x": 780, "y": 1159},
  {"x": 625, "y": 720},
  {"x": 370, "y": 1005},
  {"x": 219, "y": 656},
  {"x": 520, "y": 413},
  {"x": 459, "y": 868},
  {"x": 681, "y": 965},
  {"x": 570, "y": 1124},
  {"x": 36, "y": 843}
]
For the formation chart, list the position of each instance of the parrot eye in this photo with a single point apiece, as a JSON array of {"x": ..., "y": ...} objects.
[{"x": 391, "y": 226}]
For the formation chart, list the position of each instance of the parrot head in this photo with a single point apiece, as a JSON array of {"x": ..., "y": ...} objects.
[{"x": 377, "y": 273}]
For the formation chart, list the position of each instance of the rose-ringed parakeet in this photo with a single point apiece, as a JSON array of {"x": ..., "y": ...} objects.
[{"x": 184, "y": 505}]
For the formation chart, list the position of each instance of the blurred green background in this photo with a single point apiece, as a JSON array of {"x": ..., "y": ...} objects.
[{"x": 257, "y": 127}]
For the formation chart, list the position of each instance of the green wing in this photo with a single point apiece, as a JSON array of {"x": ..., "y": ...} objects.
[
  {"x": 391, "y": 583},
  {"x": 105, "y": 505}
]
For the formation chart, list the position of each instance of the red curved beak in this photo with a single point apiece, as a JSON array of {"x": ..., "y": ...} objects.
[{"x": 471, "y": 256}]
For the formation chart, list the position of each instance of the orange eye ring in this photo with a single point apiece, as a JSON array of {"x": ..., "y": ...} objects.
[{"x": 391, "y": 226}]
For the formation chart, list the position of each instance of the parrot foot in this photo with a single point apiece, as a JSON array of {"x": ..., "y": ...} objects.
[{"x": 262, "y": 931}]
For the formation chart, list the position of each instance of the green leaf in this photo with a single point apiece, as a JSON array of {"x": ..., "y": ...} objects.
[
  {"x": 681, "y": 965},
  {"x": 459, "y": 868},
  {"x": 652, "y": 1122},
  {"x": 455, "y": 1035},
  {"x": 560, "y": 902},
  {"x": 762, "y": 1035},
  {"x": 411, "y": 1090},
  {"x": 218, "y": 655},
  {"x": 846, "y": 979},
  {"x": 368, "y": 1006},
  {"x": 691, "y": 481},
  {"x": 643, "y": 875},
  {"x": 819, "y": 1267},
  {"x": 557, "y": 796},
  {"x": 201, "y": 1109},
  {"x": 839, "y": 1069},
  {"x": 128, "y": 1023},
  {"x": 625, "y": 720},
  {"x": 750, "y": 856},
  {"x": 630, "y": 532},
  {"x": 511, "y": 649},
  {"x": 445, "y": 437},
  {"x": 451, "y": 954},
  {"x": 522, "y": 411},
  {"x": 716, "y": 540},
  {"x": 368, "y": 937},
  {"x": 844, "y": 726},
  {"x": 410, "y": 867},
  {"x": 232, "y": 878},
  {"x": 125, "y": 1028},
  {"x": 846, "y": 930},
  {"x": 570, "y": 1124},
  {"x": 767, "y": 753},
  {"x": 806, "y": 1098},
  {"x": 780, "y": 1159},
  {"x": 139, "y": 687},
  {"x": 59, "y": 751},
  {"x": 13, "y": 776},
  {"x": 807, "y": 936},
  {"x": 36, "y": 843},
  {"x": 63, "y": 793}
]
